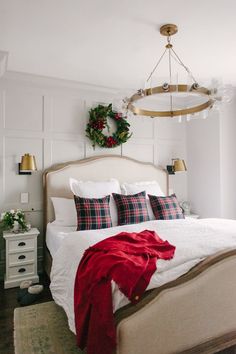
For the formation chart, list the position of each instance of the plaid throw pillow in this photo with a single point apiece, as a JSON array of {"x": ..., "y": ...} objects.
[
  {"x": 165, "y": 208},
  {"x": 132, "y": 209},
  {"x": 92, "y": 213}
]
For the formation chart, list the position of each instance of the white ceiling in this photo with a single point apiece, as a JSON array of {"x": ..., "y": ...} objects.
[{"x": 116, "y": 42}]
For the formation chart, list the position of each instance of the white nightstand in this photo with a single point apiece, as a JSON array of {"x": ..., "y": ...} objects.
[
  {"x": 191, "y": 216},
  {"x": 21, "y": 257}
]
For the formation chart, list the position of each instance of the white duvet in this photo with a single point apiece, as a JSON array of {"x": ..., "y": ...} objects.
[{"x": 194, "y": 241}]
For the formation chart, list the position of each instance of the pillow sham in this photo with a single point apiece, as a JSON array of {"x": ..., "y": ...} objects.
[
  {"x": 65, "y": 212},
  {"x": 166, "y": 208},
  {"x": 150, "y": 187},
  {"x": 94, "y": 189},
  {"x": 97, "y": 189},
  {"x": 92, "y": 213},
  {"x": 132, "y": 209}
]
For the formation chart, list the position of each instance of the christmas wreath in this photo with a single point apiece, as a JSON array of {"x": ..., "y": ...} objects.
[{"x": 98, "y": 121}]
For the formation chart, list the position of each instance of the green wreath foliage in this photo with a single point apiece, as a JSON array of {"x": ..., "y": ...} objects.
[{"x": 98, "y": 121}]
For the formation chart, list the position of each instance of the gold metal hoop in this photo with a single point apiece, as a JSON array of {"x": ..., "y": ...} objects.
[{"x": 202, "y": 91}]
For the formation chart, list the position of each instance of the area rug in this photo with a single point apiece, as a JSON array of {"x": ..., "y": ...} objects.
[{"x": 43, "y": 329}]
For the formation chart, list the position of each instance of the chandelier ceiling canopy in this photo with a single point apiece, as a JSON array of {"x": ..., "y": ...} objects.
[{"x": 170, "y": 96}]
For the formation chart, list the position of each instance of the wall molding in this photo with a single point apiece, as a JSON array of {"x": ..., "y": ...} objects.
[
  {"x": 49, "y": 82},
  {"x": 46, "y": 106}
]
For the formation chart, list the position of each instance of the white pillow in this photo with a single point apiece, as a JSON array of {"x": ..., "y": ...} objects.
[
  {"x": 65, "y": 211},
  {"x": 150, "y": 187},
  {"x": 98, "y": 189}
]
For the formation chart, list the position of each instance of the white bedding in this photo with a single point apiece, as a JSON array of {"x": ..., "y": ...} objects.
[
  {"x": 194, "y": 241},
  {"x": 55, "y": 235}
]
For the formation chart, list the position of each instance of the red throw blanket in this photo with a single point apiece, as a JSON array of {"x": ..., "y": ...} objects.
[{"x": 130, "y": 260}]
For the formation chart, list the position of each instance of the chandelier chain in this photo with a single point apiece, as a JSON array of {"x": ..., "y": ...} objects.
[
  {"x": 183, "y": 65},
  {"x": 154, "y": 69},
  {"x": 170, "y": 74}
]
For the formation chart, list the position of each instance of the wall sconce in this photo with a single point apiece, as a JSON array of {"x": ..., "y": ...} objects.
[
  {"x": 178, "y": 165},
  {"x": 27, "y": 164}
]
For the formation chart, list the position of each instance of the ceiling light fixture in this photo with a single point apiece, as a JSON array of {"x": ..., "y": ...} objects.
[{"x": 169, "y": 98}]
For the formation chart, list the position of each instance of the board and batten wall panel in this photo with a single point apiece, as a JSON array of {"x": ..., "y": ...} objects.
[
  {"x": 47, "y": 118},
  {"x": 23, "y": 110},
  {"x": 67, "y": 115},
  {"x": 170, "y": 143}
]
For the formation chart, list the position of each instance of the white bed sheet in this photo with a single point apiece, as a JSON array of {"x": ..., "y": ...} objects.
[
  {"x": 194, "y": 240},
  {"x": 55, "y": 235}
]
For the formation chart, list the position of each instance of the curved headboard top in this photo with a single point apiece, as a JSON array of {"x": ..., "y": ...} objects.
[{"x": 99, "y": 168}]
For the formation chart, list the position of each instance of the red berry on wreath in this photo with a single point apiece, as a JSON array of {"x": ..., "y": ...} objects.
[
  {"x": 110, "y": 141},
  {"x": 118, "y": 116}
]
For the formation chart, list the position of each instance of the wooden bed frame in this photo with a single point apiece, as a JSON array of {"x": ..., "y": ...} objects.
[{"x": 193, "y": 314}]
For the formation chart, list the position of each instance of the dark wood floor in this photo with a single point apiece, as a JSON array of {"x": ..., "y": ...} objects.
[{"x": 8, "y": 302}]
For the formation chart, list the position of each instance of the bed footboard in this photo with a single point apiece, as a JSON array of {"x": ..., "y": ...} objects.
[{"x": 193, "y": 314}]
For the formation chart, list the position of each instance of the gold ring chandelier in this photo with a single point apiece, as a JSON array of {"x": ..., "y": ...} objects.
[{"x": 204, "y": 98}]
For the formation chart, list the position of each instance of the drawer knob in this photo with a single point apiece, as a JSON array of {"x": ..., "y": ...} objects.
[
  {"x": 22, "y": 256},
  {"x": 21, "y": 270},
  {"x": 21, "y": 244}
]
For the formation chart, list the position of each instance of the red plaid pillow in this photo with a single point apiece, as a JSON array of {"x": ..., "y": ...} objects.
[
  {"x": 132, "y": 209},
  {"x": 92, "y": 213},
  {"x": 165, "y": 208}
]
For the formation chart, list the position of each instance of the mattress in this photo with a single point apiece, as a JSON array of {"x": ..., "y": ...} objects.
[
  {"x": 194, "y": 240},
  {"x": 55, "y": 235}
]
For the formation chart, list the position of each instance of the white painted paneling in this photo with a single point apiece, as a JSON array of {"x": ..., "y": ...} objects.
[
  {"x": 47, "y": 118},
  {"x": 170, "y": 129},
  {"x": 15, "y": 183},
  {"x": 66, "y": 150},
  {"x": 141, "y": 127},
  {"x": 23, "y": 110},
  {"x": 140, "y": 151},
  {"x": 68, "y": 115},
  {"x": 90, "y": 151},
  {"x": 166, "y": 150}
]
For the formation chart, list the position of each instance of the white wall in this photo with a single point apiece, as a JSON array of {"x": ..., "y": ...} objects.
[
  {"x": 203, "y": 155},
  {"x": 228, "y": 165},
  {"x": 211, "y": 147},
  {"x": 47, "y": 118}
]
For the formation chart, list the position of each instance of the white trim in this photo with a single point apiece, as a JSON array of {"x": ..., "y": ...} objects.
[
  {"x": 3, "y": 62},
  {"x": 55, "y": 82}
]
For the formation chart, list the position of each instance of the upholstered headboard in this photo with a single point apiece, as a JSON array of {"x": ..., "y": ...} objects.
[{"x": 56, "y": 178}]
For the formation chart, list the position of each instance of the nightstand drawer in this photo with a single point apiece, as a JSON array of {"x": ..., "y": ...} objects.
[
  {"x": 21, "y": 244},
  {"x": 21, "y": 271},
  {"x": 21, "y": 257}
]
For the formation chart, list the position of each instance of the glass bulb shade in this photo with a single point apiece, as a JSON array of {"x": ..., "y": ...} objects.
[
  {"x": 179, "y": 165},
  {"x": 28, "y": 163},
  {"x": 221, "y": 92}
]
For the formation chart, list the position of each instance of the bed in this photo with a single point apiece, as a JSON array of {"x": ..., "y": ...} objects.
[{"x": 194, "y": 313}]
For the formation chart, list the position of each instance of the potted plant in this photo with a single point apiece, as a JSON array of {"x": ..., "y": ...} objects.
[{"x": 14, "y": 220}]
